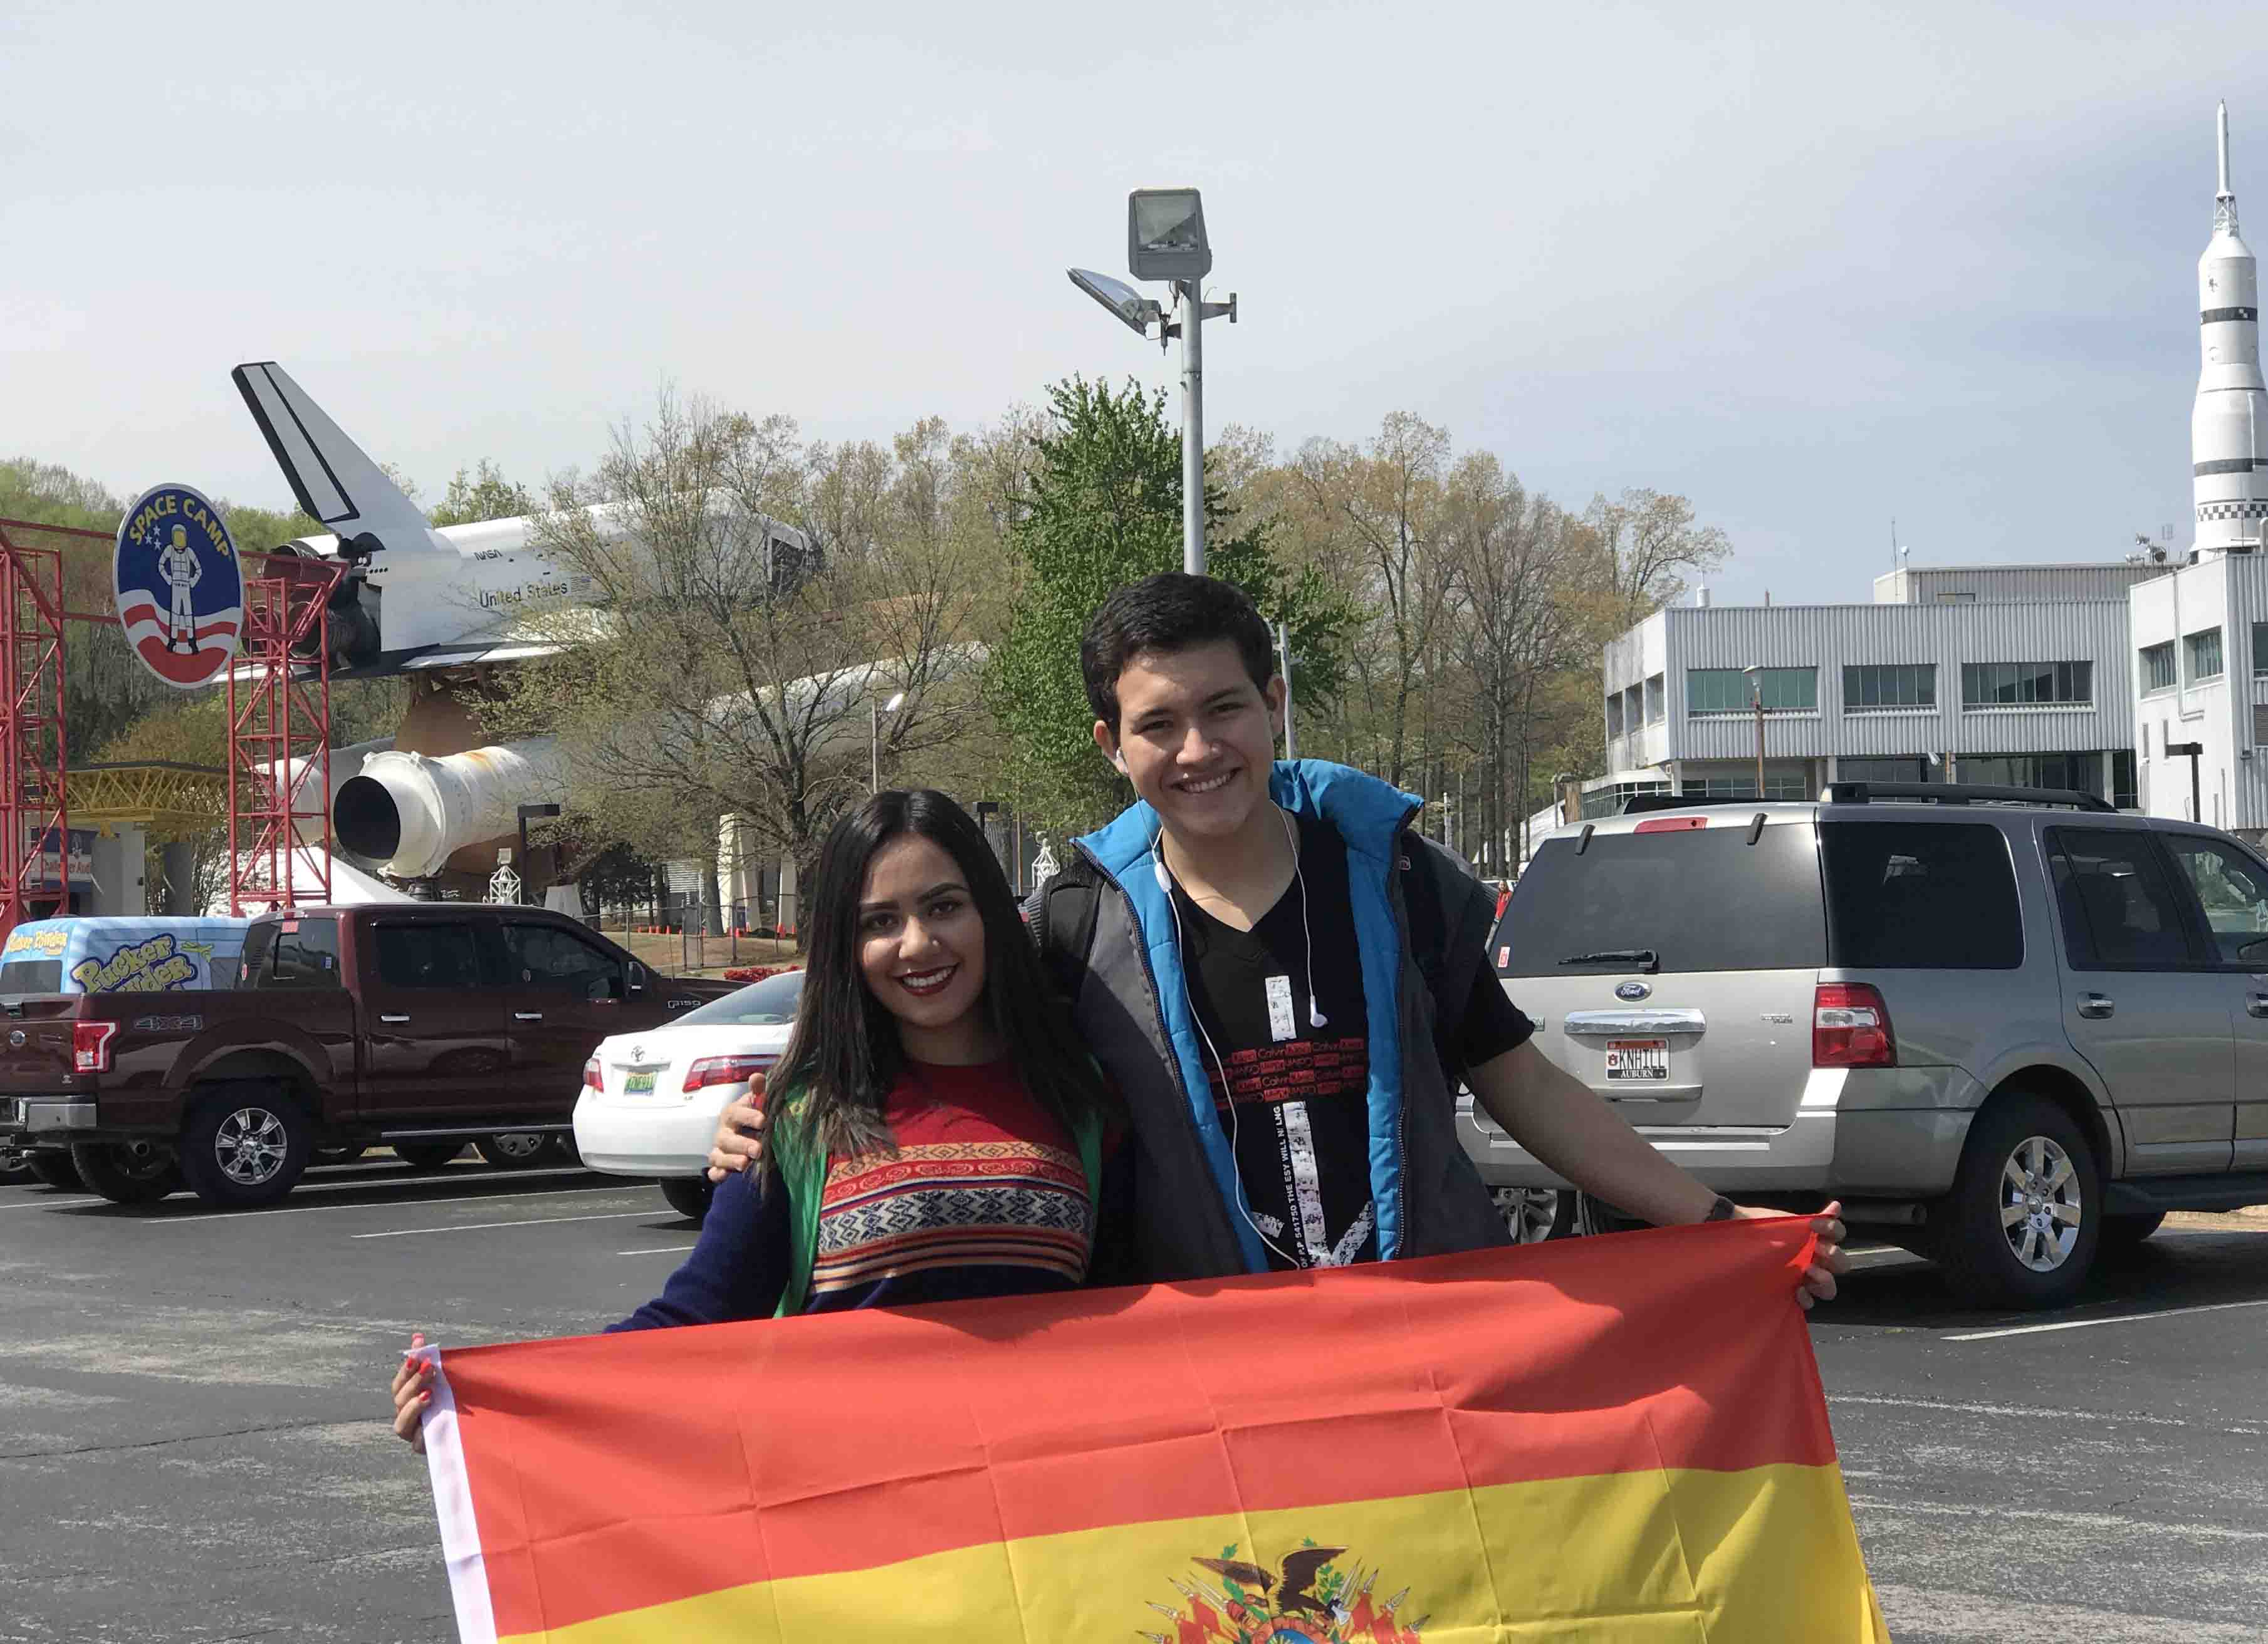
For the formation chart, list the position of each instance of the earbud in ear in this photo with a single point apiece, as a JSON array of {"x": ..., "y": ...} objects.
[{"x": 1119, "y": 759}]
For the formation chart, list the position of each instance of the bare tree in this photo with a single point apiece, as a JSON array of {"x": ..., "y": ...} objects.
[
  {"x": 1649, "y": 541},
  {"x": 724, "y": 672},
  {"x": 1371, "y": 517},
  {"x": 1518, "y": 623}
]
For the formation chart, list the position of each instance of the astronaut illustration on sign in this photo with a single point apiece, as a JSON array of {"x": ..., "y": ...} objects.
[{"x": 177, "y": 567}]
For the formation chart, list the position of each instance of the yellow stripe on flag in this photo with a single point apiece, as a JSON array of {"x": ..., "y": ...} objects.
[{"x": 1761, "y": 1556}]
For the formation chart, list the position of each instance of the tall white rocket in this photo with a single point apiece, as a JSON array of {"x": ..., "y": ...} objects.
[{"x": 2229, "y": 427}]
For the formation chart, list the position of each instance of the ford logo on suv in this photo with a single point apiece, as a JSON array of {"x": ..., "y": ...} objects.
[{"x": 1631, "y": 993}]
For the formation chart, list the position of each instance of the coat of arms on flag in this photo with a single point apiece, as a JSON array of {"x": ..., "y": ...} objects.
[{"x": 1616, "y": 1438}]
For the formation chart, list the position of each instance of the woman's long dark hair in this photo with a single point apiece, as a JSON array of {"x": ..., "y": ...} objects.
[{"x": 844, "y": 1054}]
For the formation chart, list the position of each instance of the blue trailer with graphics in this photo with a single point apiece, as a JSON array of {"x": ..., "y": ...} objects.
[{"x": 126, "y": 954}]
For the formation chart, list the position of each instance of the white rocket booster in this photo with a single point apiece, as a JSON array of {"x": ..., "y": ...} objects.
[{"x": 2229, "y": 427}]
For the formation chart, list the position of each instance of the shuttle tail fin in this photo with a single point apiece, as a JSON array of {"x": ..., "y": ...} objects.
[{"x": 333, "y": 478}]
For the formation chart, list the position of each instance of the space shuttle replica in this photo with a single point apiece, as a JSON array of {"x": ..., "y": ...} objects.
[
  {"x": 442, "y": 606},
  {"x": 2229, "y": 427}
]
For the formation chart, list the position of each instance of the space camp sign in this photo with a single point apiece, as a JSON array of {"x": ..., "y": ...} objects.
[{"x": 180, "y": 586}]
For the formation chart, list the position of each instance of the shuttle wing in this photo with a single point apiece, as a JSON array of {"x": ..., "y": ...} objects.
[{"x": 332, "y": 477}]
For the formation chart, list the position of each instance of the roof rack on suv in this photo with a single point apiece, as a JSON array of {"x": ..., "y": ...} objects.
[{"x": 1960, "y": 794}]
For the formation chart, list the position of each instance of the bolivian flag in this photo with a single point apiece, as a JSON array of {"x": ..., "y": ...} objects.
[{"x": 1606, "y": 1439}]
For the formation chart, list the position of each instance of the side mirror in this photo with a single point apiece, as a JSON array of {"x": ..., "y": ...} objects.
[{"x": 2252, "y": 949}]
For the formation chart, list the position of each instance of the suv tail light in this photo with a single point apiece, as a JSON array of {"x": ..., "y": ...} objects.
[
  {"x": 592, "y": 1079},
  {"x": 1851, "y": 1028},
  {"x": 91, "y": 1045},
  {"x": 724, "y": 1071}
]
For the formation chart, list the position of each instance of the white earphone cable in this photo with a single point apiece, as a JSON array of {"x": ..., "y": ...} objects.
[{"x": 1243, "y": 1204}]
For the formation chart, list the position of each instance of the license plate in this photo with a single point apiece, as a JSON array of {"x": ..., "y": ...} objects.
[
  {"x": 1638, "y": 1061},
  {"x": 638, "y": 1084}
]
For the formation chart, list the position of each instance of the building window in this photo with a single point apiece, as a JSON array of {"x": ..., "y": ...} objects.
[
  {"x": 1915, "y": 768},
  {"x": 1634, "y": 707},
  {"x": 2025, "y": 684},
  {"x": 2077, "y": 772},
  {"x": 1656, "y": 695},
  {"x": 2124, "y": 793},
  {"x": 1890, "y": 685},
  {"x": 2260, "y": 648},
  {"x": 1778, "y": 785},
  {"x": 2158, "y": 664},
  {"x": 1726, "y": 690},
  {"x": 1613, "y": 715},
  {"x": 1606, "y": 801},
  {"x": 1956, "y": 599},
  {"x": 2203, "y": 650}
]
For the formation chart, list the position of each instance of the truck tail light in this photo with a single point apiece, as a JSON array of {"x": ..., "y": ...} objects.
[
  {"x": 1851, "y": 1028},
  {"x": 91, "y": 1045},
  {"x": 724, "y": 1071},
  {"x": 592, "y": 1079}
]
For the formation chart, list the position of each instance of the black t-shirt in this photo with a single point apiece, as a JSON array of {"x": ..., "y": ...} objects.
[{"x": 1299, "y": 1120}]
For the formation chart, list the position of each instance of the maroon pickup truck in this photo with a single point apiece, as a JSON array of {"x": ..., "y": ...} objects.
[{"x": 422, "y": 1027}]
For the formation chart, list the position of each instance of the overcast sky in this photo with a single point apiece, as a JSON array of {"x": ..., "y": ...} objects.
[{"x": 1812, "y": 265}]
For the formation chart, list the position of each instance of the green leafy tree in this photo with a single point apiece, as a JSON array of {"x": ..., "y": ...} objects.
[
  {"x": 482, "y": 494},
  {"x": 1099, "y": 507}
]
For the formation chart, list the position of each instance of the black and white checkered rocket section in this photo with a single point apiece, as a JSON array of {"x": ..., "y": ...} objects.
[{"x": 2228, "y": 429}]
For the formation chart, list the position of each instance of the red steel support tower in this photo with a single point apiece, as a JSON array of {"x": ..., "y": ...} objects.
[
  {"x": 279, "y": 727},
  {"x": 33, "y": 805}
]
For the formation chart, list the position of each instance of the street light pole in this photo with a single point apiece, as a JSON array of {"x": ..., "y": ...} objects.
[
  {"x": 1193, "y": 519},
  {"x": 1284, "y": 644},
  {"x": 874, "y": 712},
  {"x": 1756, "y": 698}
]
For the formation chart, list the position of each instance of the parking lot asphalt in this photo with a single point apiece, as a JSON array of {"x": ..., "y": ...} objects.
[{"x": 193, "y": 1444}]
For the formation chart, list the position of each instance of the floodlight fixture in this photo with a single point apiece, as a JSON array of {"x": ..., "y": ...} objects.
[
  {"x": 1134, "y": 310},
  {"x": 1166, "y": 235}
]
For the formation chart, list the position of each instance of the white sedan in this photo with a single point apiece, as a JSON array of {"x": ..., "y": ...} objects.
[{"x": 650, "y": 1100}]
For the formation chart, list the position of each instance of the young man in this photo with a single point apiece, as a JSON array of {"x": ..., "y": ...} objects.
[{"x": 1285, "y": 983}]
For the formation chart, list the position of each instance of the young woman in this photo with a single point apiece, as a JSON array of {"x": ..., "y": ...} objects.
[{"x": 938, "y": 1128}]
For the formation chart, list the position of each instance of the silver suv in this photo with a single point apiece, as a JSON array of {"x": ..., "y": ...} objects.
[{"x": 2008, "y": 1027}]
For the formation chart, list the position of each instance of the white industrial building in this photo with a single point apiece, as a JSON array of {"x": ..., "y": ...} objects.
[{"x": 2006, "y": 674}]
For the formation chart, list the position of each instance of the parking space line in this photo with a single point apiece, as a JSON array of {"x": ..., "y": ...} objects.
[
  {"x": 2090, "y": 1323},
  {"x": 530, "y": 1222},
  {"x": 52, "y": 1204},
  {"x": 658, "y": 1250},
  {"x": 406, "y": 1204},
  {"x": 2042, "y": 1413}
]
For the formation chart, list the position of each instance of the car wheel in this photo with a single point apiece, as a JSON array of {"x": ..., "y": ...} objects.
[
  {"x": 14, "y": 1168},
  {"x": 427, "y": 1155},
  {"x": 57, "y": 1170},
  {"x": 2021, "y": 1224},
  {"x": 689, "y": 1195},
  {"x": 2121, "y": 1234},
  {"x": 127, "y": 1172},
  {"x": 514, "y": 1150},
  {"x": 1534, "y": 1214},
  {"x": 246, "y": 1145},
  {"x": 1596, "y": 1215}
]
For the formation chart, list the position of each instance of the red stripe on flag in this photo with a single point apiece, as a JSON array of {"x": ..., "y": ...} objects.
[{"x": 848, "y": 1440}]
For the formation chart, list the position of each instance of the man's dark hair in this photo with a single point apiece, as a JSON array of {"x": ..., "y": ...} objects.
[{"x": 1169, "y": 611}]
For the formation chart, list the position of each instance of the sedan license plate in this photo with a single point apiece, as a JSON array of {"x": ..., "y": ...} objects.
[
  {"x": 638, "y": 1084},
  {"x": 1638, "y": 1061}
]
